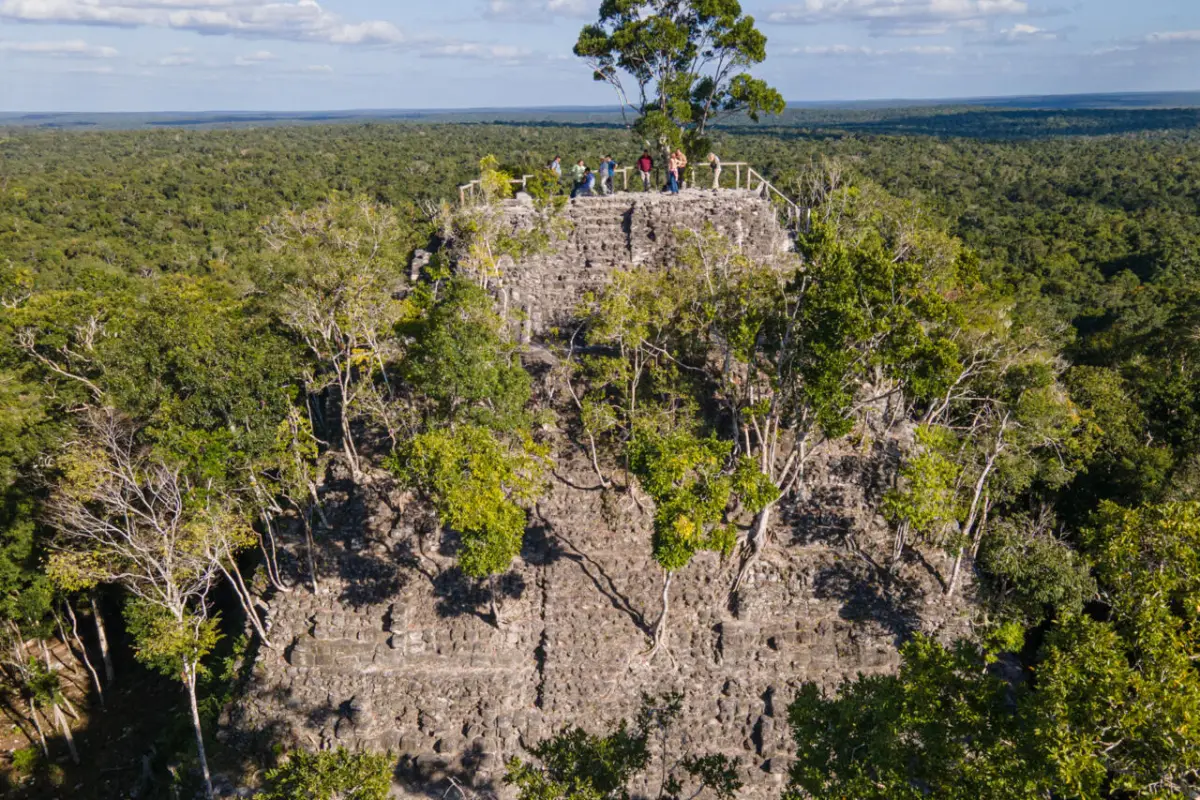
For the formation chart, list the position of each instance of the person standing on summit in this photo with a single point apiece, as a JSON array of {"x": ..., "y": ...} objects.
[
  {"x": 715, "y": 163},
  {"x": 644, "y": 165},
  {"x": 608, "y": 168}
]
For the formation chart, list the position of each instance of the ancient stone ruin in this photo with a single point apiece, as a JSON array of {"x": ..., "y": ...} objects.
[
  {"x": 626, "y": 230},
  {"x": 394, "y": 650}
]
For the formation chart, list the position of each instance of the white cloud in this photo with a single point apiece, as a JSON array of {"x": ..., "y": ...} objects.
[
  {"x": 901, "y": 17},
  {"x": 1163, "y": 43},
  {"x": 297, "y": 20},
  {"x": 1022, "y": 33},
  {"x": 483, "y": 52},
  {"x": 70, "y": 49},
  {"x": 872, "y": 52},
  {"x": 318, "y": 68},
  {"x": 255, "y": 59},
  {"x": 538, "y": 10},
  {"x": 1173, "y": 37}
]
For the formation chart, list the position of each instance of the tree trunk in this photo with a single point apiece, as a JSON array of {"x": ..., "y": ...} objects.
[
  {"x": 271, "y": 556},
  {"x": 37, "y": 723},
  {"x": 100, "y": 634},
  {"x": 972, "y": 517},
  {"x": 245, "y": 599},
  {"x": 950, "y": 587},
  {"x": 66, "y": 732},
  {"x": 87, "y": 662},
  {"x": 901, "y": 541},
  {"x": 755, "y": 544},
  {"x": 189, "y": 673},
  {"x": 660, "y": 627},
  {"x": 981, "y": 527},
  {"x": 348, "y": 441},
  {"x": 316, "y": 498},
  {"x": 493, "y": 605},
  {"x": 309, "y": 547}
]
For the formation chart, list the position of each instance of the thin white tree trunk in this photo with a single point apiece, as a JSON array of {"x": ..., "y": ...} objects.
[
  {"x": 271, "y": 554},
  {"x": 66, "y": 732},
  {"x": 87, "y": 662},
  {"x": 756, "y": 542},
  {"x": 37, "y": 723},
  {"x": 972, "y": 516},
  {"x": 660, "y": 627},
  {"x": 190, "y": 685},
  {"x": 309, "y": 548},
  {"x": 102, "y": 636},
  {"x": 901, "y": 541},
  {"x": 245, "y": 599}
]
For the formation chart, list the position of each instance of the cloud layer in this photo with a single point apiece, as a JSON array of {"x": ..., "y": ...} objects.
[
  {"x": 901, "y": 17},
  {"x": 74, "y": 48},
  {"x": 301, "y": 20}
]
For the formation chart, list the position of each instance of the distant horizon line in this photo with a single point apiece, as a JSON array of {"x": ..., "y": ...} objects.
[{"x": 877, "y": 102}]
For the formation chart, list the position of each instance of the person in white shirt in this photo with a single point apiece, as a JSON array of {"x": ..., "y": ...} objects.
[{"x": 715, "y": 163}]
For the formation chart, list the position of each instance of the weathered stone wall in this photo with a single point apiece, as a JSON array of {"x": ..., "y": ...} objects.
[
  {"x": 627, "y": 230},
  {"x": 394, "y": 651}
]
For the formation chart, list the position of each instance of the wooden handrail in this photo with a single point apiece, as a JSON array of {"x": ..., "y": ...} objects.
[{"x": 795, "y": 215}]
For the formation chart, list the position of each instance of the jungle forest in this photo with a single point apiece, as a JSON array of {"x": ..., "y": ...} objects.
[{"x": 212, "y": 342}]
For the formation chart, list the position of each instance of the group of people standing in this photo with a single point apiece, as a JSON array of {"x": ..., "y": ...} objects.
[{"x": 584, "y": 182}]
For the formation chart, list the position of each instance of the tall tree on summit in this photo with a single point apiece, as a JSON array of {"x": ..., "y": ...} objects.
[{"x": 688, "y": 59}]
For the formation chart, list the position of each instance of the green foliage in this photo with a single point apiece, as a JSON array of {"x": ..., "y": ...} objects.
[
  {"x": 330, "y": 775},
  {"x": 461, "y": 361},
  {"x": 166, "y": 644},
  {"x": 928, "y": 498},
  {"x": 1123, "y": 697},
  {"x": 478, "y": 484},
  {"x": 1032, "y": 572},
  {"x": 941, "y": 728},
  {"x": 577, "y": 765},
  {"x": 688, "y": 60},
  {"x": 688, "y": 479}
]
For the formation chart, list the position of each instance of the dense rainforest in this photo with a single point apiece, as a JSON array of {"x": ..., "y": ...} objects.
[{"x": 195, "y": 325}]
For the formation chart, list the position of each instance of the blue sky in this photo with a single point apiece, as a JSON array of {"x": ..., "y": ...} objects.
[{"x": 155, "y": 55}]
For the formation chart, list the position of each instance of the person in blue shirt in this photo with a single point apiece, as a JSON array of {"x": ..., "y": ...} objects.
[
  {"x": 608, "y": 168},
  {"x": 587, "y": 186}
]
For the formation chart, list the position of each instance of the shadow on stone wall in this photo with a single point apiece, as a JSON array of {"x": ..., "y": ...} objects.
[{"x": 872, "y": 594}]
